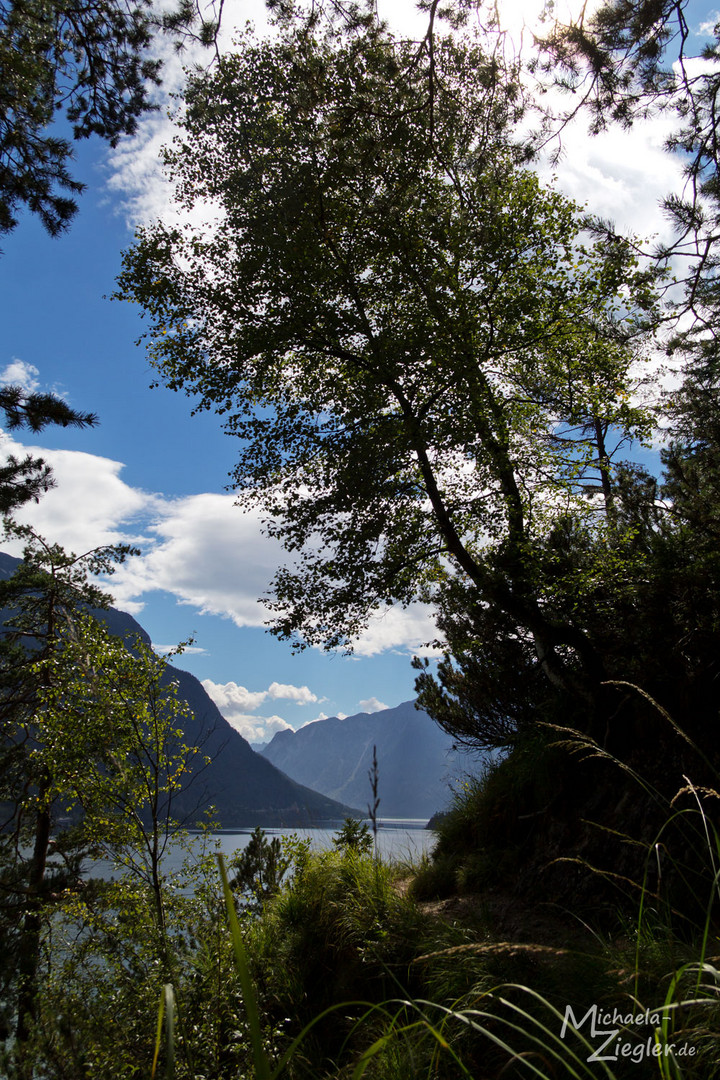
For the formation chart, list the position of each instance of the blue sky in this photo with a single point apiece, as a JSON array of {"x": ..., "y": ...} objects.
[
  {"x": 58, "y": 321},
  {"x": 153, "y": 474}
]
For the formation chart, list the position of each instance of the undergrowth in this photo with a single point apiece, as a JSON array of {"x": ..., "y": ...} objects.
[
  {"x": 349, "y": 967},
  {"x": 371, "y": 982}
]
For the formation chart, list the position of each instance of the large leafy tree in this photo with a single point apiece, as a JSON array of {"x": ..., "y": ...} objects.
[
  {"x": 433, "y": 370},
  {"x": 425, "y": 363},
  {"x": 92, "y": 61}
]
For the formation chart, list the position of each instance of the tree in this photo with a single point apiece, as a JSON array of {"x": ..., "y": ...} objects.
[
  {"x": 258, "y": 870},
  {"x": 631, "y": 59},
  {"x": 43, "y": 600},
  {"x": 92, "y": 61},
  {"x": 354, "y": 836},
  {"x": 421, "y": 355},
  {"x": 92, "y": 755},
  {"x": 23, "y": 481},
  {"x": 628, "y": 60},
  {"x": 132, "y": 776}
]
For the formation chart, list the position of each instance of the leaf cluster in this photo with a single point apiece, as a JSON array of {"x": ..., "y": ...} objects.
[
  {"x": 92, "y": 756},
  {"x": 25, "y": 480},
  {"x": 633, "y": 59}
]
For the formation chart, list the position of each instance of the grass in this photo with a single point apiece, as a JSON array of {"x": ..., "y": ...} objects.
[
  {"x": 478, "y": 1007},
  {"x": 344, "y": 973}
]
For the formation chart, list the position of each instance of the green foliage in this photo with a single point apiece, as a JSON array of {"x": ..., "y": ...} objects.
[
  {"x": 338, "y": 931},
  {"x": 420, "y": 355},
  {"x": 631, "y": 59},
  {"x": 480, "y": 839},
  {"x": 43, "y": 599},
  {"x": 260, "y": 867},
  {"x": 432, "y": 373},
  {"x": 434, "y": 378},
  {"x": 346, "y": 977},
  {"x": 473, "y": 1002},
  {"x": 25, "y": 480},
  {"x": 260, "y": 1060},
  {"x": 355, "y": 836},
  {"x": 93, "y": 755},
  {"x": 96, "y": 1009}
]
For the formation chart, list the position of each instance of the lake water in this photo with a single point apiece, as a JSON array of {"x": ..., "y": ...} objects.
[{"x": 399, "y": 839}]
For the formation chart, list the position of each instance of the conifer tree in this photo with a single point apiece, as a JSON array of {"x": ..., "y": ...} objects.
[{"x": 91, "y": 61}]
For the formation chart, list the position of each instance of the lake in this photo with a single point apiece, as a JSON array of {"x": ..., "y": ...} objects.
[{"x": 398, "y": 839}]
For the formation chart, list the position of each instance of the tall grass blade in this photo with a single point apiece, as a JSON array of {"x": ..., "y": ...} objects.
[
  {"x": 169, "y": 1030},
  {"x": 166, "y": 1011},
  {"x": 422, "y": 1026},
  {"x": 262, "y": 1065},
  {"x": 158, "y": 1033}
]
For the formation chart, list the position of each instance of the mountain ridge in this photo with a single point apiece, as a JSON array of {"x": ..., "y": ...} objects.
[
  {"x": 245, "y": 788},
  {"x": 416, "y": 759}
]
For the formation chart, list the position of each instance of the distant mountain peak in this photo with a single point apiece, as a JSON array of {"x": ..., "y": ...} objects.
[
  {"x": 416, "y": 759},
  {"x": 245, "y": 788}
]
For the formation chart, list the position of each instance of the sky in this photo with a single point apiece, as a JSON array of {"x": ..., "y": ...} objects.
[{"x": 152, "y": 474}]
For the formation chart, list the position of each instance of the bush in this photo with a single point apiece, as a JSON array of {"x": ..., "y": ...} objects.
[
  {"x": 354, "y": 835},
  {"x": 339, "y": 931}
]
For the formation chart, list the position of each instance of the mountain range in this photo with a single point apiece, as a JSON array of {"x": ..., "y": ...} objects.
[
  {"x": 245, "y": 788},
  {"x": 416, "y": 760}
]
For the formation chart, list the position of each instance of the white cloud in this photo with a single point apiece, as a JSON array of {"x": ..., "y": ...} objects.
[
  {"x": 301, "y": 695},
  {"x": 406, "y": 629},
  {"x": 90, "y": 506},
  {"x": 621, "y": 174},
  {"x": 232, "y": 699},
  {"x": 209, "y": 554},
  {"x": 316, "y": 720},
  {"x": 238, "y": 704},
  {"x": 323, "y": 716},
  {"x": 202, "y": 549},
  {"x": 258, "y": 728},
  {"x": 372, "y": 705},
  {"x": 20, "y": 373},
  {"x": 231, "y": 696}
]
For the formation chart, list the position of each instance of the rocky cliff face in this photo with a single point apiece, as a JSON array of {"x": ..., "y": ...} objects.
[{"x": 416, "y": 761}]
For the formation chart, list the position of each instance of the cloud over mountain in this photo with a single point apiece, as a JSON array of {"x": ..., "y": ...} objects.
[
  {"x": 238, "y": 705},
  {"x": 201, "y": 548}
]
